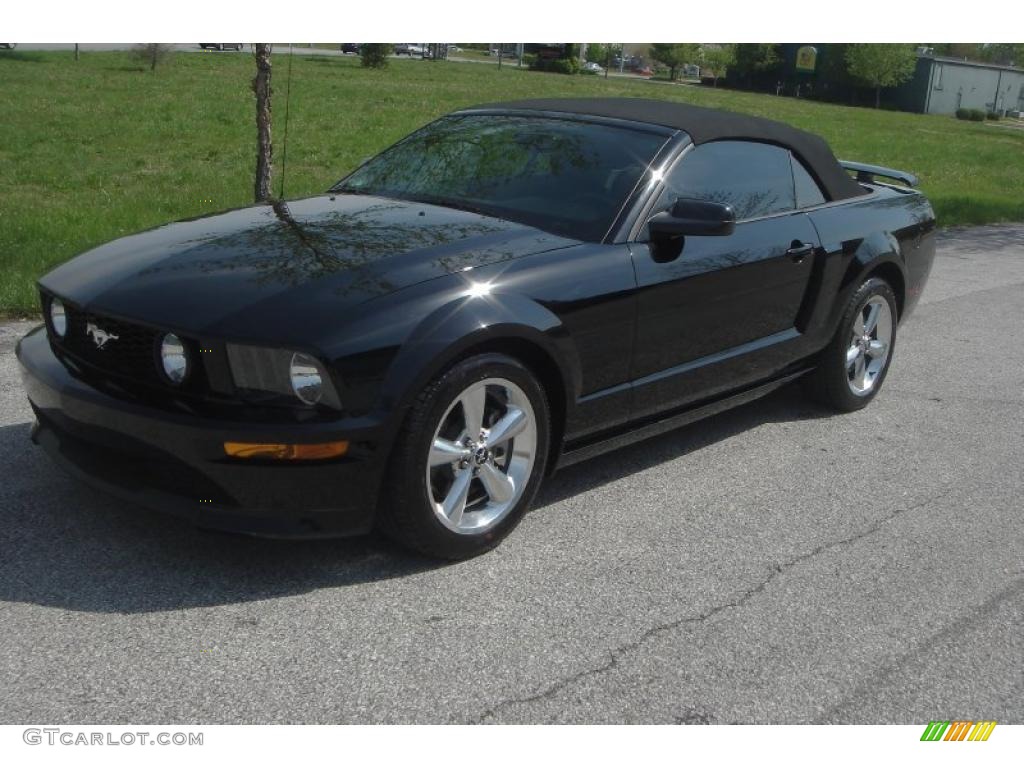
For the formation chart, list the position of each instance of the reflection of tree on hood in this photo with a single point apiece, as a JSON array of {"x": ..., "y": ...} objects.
[{"x": 290, "y": 252}]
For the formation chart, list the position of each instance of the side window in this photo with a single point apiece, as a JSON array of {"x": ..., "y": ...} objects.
[
  {"x": 808, "y": 192},
  {"x": 755, "y": 179}
]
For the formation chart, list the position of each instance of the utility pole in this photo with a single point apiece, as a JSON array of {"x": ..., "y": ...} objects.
[{"x": 519, "y": 54}]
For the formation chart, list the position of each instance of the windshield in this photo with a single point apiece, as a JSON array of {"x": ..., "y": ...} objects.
[{"x": 563, "y": 176}]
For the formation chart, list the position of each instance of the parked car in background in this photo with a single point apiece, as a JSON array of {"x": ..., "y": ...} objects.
[
  {"x": 593, "y": 68},
  {"x": 221, "y": 46},
  {"x": 454, "y": 49},
  {"x": 411, "y": 49},
  {"x": 8, "y": 46},
  {"x": 419, "y": 347},
  {"x": 350, "y": 47}
]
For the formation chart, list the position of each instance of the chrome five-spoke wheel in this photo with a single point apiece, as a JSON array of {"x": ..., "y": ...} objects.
[
  {"x": 869, "y": 346},
  {"x": 482, "y": 456}
]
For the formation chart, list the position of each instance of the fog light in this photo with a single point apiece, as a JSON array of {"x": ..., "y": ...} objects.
[
  {"x": 58, "y": 319},
  {"x": 307, "y": 382},
  {"x": 174, "y": 358},
  {"x": 287, "y": 451}
]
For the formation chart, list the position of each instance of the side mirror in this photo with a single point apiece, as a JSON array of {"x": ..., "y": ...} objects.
[{"x": 692, "y": 217}]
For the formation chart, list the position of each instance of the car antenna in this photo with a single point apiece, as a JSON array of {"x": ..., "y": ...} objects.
[{"x": 287, "y": 105}]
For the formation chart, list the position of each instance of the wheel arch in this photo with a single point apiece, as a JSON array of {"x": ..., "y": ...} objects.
[
  {"x": 548, "y": 372},
  {"x": 878, "y": 255},
  {"x": 893, "y": 275},
  {"x": 510, "y": 325}
]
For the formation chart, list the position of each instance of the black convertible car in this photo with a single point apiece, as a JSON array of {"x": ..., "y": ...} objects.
[{"x": 508, "y": 290}]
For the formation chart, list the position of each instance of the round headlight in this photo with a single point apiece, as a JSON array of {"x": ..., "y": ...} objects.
[
  {"x": 58, "y": 320},
  {"x": 174, "y": 358},
  {"x": 307, "y": 382}
]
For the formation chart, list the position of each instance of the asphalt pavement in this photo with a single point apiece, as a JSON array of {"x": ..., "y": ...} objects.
[{"x": 774, "y": 564}]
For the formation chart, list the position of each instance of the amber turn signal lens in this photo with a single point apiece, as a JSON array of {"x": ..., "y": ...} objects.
[{"x": 286, "y": 451}]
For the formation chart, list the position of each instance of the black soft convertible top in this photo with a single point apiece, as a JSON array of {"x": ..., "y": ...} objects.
[{"x": 704, "y": 125}]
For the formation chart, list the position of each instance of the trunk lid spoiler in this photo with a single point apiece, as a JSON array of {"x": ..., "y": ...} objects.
[{"x": 866, "y": 173}]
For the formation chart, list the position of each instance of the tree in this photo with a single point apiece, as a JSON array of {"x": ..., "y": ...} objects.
[
  {"x": 264, "y": 147},
  {"x": 603, "y": 53},
  {"x": 149, "y": 53},
  {"x": 673, "y": 55},
  {"x": 750, "y": 59},
  {"x": 881, "y": 65},
  {"x": 968, "y": 51},
  {"x": 1003, "y": 53},
  {"x": 717, "y": 57},
  {"x": 375, "y": 55}
]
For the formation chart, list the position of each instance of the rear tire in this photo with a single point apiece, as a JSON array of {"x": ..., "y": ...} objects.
[
  {"x": 853, "y": 367},
  {"x": 468, "y": 460}
]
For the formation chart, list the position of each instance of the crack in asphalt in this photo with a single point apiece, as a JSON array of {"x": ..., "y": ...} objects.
[{"x": 616, "y": 654}]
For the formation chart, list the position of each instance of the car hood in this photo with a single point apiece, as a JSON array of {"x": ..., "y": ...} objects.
[{"x": 267, "y": 271}]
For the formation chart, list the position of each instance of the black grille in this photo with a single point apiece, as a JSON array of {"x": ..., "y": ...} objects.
[{"x": 112, "y": 346}]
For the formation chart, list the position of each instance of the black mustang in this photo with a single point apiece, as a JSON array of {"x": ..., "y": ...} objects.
[{"x": 510, "y": 289}]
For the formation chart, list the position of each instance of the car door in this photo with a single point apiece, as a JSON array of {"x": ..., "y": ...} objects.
[{"x": 720, "y": 312}]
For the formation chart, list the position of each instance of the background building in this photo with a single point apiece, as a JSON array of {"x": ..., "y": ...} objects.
[{"x": 941, "y": 85}]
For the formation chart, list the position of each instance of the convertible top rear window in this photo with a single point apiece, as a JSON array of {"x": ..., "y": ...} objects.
[{"x": 568, "y": 177}]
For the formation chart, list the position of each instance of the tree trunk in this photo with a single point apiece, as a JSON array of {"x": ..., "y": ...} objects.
[
  {"x": 264, "y": 148},
  {"x": 76, "y": 51},
  {"x": 878, "y": 96}
]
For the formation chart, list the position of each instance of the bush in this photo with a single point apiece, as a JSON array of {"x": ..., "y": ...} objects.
[
  {"x": 562, "y": 66},
  {"x": 993, "y": 115},
  {"x": 152, "y": 54},
  {"x": 375, "y": 55},
  {"x": 977, "y": 115}
]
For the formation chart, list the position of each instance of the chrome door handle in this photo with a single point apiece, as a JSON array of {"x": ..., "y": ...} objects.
[{"x": 798, "y": 251}]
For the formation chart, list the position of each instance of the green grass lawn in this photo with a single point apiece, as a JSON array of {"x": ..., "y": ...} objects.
[{"x": 95, "y": 149}]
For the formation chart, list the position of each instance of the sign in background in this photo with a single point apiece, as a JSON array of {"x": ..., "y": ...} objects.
[{"x": 806, "y": 58}]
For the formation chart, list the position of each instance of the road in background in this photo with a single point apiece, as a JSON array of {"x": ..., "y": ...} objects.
[
  {"x": 297, "y": 50},
  {"x": 777, "y": 563}
]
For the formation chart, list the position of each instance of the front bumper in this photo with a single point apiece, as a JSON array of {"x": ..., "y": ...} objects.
[{"x": 174, "y": 462}]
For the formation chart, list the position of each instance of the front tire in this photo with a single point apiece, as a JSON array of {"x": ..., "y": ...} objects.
[
  {"x": 469, "y": 459},
  {"x": 854, "y": 365}
]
